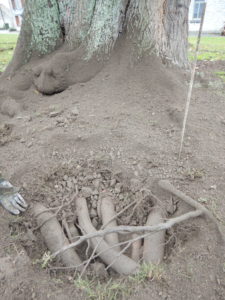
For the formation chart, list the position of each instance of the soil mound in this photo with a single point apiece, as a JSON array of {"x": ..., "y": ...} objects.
[{"x": 130, "y": 113}]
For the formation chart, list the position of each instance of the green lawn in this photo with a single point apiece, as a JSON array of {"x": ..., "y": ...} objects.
[
  {"x": 7, "y": 45},
  {"x": 211, "y": 48},
  {"x": 220, "y": 74}
]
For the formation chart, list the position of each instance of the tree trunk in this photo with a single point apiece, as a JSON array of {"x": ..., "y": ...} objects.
[
  {"x": 89, "y": 30},
  {"x": 161, "y": 27},
  {"x": 40, "y": 33}
]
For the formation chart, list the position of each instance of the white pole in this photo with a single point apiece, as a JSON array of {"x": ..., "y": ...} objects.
[
  {"x": 12, "y": 15},
  {"x": 191, "y": 81}
]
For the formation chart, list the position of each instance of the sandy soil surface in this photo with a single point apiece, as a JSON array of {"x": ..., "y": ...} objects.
[{"x": 119, "y": 131}]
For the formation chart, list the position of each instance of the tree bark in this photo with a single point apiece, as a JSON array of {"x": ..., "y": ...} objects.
[
  {"x": 89, "y": 30},
  {"x": 40, "y": 33},
  {"x": 160, "y": 27}
]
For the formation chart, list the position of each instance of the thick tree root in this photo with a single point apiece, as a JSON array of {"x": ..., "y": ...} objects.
[
  {"x": 93, "y": 233},
  {"x": 136, "y": 248},
  {"x": 154, "y": 243},
  {"x": 54, "y": 236},
  {"x": 107, "y": 213},
  {"x": 74, "y": 234},
  {"x": 119, "y": 262},
  {"x": 105, "y": 242}
]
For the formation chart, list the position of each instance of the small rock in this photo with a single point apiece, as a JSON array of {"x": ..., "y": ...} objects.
[
  {"x": 54, "y": 114},
  {"x": 70, "y": 278},
  {"x": 24, "y": 185},
  {"x": 10, "y": 107},
  {"x": 135, "y": 185},
  {"x": 118, "y": 188},
  {"x": 74, "y": 112},
  {"x": 30, "y": 145},
  {"x": 60, "y": 120},
  {"x": 65, "y": 177},
  {"x": 117, "y": 207},
  {"x": 213, "y": 187},
  {"x": 89, "y": 178},
  {"x": 212, "y": 278},
  {"x": 136, "y": 173},
  {"x": 86, "y": 192},
  {"x": 121, "y": 197},
  {"x": 69, "y": 184}
]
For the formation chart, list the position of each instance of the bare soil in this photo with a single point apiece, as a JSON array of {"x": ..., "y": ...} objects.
[{"x": 120, "y": 132}]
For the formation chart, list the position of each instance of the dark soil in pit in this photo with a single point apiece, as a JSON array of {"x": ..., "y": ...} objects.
[{"x": 119, "y": 132}]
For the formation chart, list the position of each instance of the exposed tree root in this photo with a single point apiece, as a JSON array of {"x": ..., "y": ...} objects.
[
  {"x": 73, "y": 233},
  {"x": 53, "y": 235},
  {"x": 131, "y": 229},
  {"x": 123, "y": 264},
  {"x": 136, "y": 248},
  {"x": 107, "y": 214},
  {"x": 105, "y": 242},
  {"x": 119, "y": 213},
  {"x": 154, "y": 243}
]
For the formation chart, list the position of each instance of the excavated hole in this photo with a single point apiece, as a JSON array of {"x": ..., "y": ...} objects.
[{"x": 89, "y": 179}]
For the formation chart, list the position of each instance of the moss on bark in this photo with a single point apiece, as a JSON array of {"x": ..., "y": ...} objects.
[{"x": 40, "y": 33}]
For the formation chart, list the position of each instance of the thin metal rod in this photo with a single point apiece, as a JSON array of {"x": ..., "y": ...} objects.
[{"x": 192, "y": 81}]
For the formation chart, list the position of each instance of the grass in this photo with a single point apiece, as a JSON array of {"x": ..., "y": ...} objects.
[
  {"x": 7, "y": 45},
  {"x": 211, "y": 48},
  {"x": 115, "y": 289},
  {"x": 111, "y": 290},
  {"x": 221, "y": 75}
]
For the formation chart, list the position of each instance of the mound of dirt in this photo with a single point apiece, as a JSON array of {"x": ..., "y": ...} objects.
[
  {"x": 130, "y": 113},
  {"x": 10, "y": 107}
]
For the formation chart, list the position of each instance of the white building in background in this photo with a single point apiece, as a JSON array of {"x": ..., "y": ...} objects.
[
  {"x": 11, "y": 13},
  {"x": 214, "y": 16},
  {"x": 6, "y": 15}
]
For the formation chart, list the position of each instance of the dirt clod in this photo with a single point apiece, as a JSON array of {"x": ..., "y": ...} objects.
[
  {"x": 99, "y": 271},
  {"x": 10, "y": 108},
  {"x": 5, "y": 132},
  {"x": 86, "y": 192}
]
